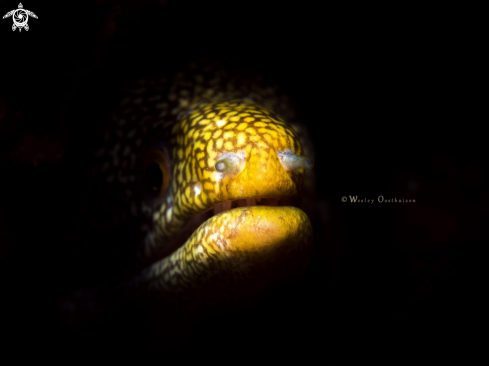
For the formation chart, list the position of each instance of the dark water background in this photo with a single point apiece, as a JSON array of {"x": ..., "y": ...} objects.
[{"x": 386, "y": 99}]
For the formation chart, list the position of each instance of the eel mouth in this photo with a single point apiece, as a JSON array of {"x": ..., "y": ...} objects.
[
  {"x": 236, "y": 250},
  {"x": 228, "y": 263},
  {"x": 221, "y": 208}
]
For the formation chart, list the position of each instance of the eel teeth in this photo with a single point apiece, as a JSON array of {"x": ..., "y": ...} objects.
[
  {"x": 272, "y": 201},
  {"x": 251, "y": 202},
  {"x": 223, "y": 206}
]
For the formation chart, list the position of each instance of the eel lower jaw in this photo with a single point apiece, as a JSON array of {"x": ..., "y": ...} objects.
[
  {"x": 199, "y": 219},
  {"x": 232, "y": 260}
]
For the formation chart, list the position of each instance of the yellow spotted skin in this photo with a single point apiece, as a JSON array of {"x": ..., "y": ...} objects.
[
  {"x": 201, "y": 116},
  {"x": 206, "y": 134}
]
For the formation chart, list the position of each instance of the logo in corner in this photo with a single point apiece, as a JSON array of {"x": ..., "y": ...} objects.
[{"x": 20, "y": 17}]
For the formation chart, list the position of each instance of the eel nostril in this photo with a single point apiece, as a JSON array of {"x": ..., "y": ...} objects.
[
  {"x": 308, "y": 163},
  {"x": 291, "y": 161}
]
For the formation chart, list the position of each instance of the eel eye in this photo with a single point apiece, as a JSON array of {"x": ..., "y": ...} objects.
[
  {"x": 156, "y": 172},
  {"x": 221, "y": 165}
]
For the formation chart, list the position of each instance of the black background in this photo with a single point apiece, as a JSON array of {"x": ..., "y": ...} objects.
[{"x": 386, "y": 95}]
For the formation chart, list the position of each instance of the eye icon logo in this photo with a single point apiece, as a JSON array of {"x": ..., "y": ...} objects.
[{"x": 20, "y": 17}]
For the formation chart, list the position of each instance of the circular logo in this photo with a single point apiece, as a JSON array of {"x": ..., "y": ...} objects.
[{"x": 20, "y": 17}]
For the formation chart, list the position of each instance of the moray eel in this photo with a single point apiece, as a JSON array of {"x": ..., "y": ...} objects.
[{"x": 211, "y": 163}]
